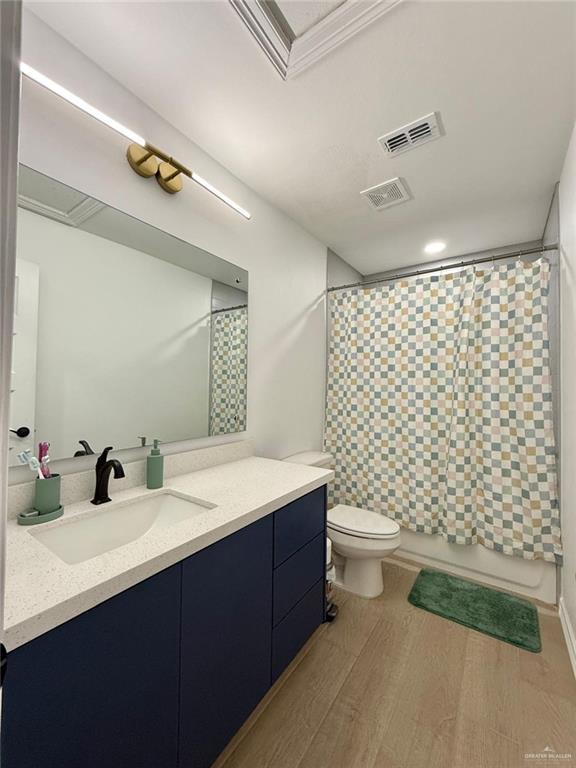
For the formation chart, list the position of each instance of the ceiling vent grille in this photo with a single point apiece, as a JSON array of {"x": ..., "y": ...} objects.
[
  {"x": 408, "y": 137},
  {"x": 387, "y": 194}
]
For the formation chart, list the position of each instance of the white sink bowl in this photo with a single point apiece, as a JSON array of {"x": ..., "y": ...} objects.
[{"x": 112, "y": 526}]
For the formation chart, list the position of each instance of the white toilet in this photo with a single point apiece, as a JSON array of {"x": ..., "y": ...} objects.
[{"x": 361, "y": 538}]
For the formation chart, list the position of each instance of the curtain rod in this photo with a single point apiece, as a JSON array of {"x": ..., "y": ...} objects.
[
  {"x": 226, "y": 309},
  {"x": 453, "y": 265}
]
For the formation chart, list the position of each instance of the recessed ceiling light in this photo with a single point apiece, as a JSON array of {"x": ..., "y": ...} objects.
[{"x": 436, "y": 246}]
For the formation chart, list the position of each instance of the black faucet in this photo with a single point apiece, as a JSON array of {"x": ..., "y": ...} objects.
[
  {"x": 104, "y": 465},
  {"x": 87, "y": 449}
]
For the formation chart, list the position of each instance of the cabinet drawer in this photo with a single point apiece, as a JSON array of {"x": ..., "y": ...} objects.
[
  {"x": 296, "y": 575},
  {"x": 297, "y": 523},
  {"x": 293, "y": 631}
]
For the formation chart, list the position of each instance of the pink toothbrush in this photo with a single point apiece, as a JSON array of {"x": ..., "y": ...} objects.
[{"x": 43, "y": 457}]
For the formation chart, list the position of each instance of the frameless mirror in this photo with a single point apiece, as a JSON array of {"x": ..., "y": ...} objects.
[{"x": 122, "y": 332}]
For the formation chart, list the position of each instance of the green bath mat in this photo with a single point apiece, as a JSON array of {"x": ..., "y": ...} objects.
[{"x": 498, "y": 614}]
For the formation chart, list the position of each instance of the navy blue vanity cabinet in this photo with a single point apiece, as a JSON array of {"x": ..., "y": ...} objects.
[
  {"x": 299, "y": 575},
  {"x": 164, "y": 674},
  {"x": 297, "y": 523},
  {"x": 100, "y": 691},
  {"x": 226, "y": 640}
]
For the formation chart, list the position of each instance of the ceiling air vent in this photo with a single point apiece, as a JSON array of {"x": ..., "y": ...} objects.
[
  {"x": 388, "y": 193},
  {"x": 425, "y": 129}
]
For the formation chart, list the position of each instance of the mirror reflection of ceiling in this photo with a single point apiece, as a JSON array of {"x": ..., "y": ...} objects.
[
  {"x": 302, "y": 15},
  {"x": 46, "y": 196}
]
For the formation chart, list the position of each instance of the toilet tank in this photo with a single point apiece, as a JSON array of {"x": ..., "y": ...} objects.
[{"x": 312, "y": 459}]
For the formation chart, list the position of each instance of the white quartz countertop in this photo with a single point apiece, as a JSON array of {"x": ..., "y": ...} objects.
[{"x": 42, "y": 591}]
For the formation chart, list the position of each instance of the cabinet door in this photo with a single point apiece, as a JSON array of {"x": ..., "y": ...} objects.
[
  {"x": 226, "y": 640},
  {"x": 100, "y": 691}
]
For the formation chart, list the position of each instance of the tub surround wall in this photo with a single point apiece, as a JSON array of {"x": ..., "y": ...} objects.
[{"x": 532, "y": 578}]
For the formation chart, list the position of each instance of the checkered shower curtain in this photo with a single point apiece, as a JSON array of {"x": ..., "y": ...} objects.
[
  {"x": 439, "y": 406},
  {"x": 228, "y": 371}
]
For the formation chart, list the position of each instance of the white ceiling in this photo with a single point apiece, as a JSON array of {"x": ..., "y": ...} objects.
[
  {"x": 502, "y": 75},
  {"x": 301, "y": 15}
]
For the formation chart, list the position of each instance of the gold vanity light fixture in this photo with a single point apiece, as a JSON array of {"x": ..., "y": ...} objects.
[
  {"x": 144, "y": 158},
  {"x": 76, "y": 101},
  {"x": 169, "y": 174},
  {"x": 167, "y": 170}
]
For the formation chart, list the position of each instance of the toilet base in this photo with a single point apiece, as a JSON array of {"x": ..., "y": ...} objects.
[
  {"x": 362, "y": 577},
  {"x": 358, "y": 561}
]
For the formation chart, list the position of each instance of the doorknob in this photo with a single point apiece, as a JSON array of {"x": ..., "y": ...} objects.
[{"x": 21, "y": 431}]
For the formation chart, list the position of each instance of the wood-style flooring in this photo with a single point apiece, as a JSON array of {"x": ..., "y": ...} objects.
[{"x": 388, "y": 685}]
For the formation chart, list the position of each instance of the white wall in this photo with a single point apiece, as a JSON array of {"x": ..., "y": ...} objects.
[
  {"x": 568, "y": 379},
  {"x": 224, "y": 296},
  {"x": 123, "y": 341},
  {"x": 339, "y": 272},
  {"x": 287, "y": 265}
]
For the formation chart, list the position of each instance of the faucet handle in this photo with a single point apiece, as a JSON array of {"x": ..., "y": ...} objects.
[
  {"x": 103, "y": 458},
  {"x": 142, "y": 439},
  {"x": 87, "y": 449}
]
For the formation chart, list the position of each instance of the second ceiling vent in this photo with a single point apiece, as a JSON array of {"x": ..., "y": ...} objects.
[
  {"x": 410, "y": 136},
  {"x": 391, "y": 192}
]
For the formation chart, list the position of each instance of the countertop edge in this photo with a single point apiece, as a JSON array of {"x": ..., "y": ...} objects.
[{"x": 54, "y": 616}]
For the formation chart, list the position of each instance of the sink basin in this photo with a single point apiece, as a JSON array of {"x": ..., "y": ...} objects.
[{"x": 112, "y": 526}]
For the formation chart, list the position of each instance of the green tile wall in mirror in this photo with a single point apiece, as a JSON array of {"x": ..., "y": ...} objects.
[{"x": 122, "y": 331}]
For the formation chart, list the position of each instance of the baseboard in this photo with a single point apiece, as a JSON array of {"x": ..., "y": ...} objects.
[{"x": 569, "y": 633}]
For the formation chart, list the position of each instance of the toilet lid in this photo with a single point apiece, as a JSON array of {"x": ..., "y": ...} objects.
[{"x": 361, "y": 522}]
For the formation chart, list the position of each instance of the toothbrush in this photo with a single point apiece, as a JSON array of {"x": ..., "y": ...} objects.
[
  {"x": 44, "y": 466},
  {"x": 35, "y": 467},
  {"x": 26, "y": 458},
  {"x": 44, "y": 458}
]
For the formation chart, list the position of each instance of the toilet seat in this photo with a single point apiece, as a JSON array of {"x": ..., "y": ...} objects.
[{"x": 361, "y": 523}]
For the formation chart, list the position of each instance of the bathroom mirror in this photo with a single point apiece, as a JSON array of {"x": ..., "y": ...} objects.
[{"x": 123, "y": 333}]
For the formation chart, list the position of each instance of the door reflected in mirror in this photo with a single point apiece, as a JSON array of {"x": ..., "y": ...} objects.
[{"x": 123, "y": 333}]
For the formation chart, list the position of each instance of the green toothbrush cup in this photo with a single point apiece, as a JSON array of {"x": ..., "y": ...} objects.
[{"x": 46, "y": 502}]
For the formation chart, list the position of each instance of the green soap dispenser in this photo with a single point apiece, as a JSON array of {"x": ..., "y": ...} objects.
[{"x": 155, "y": 468}]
